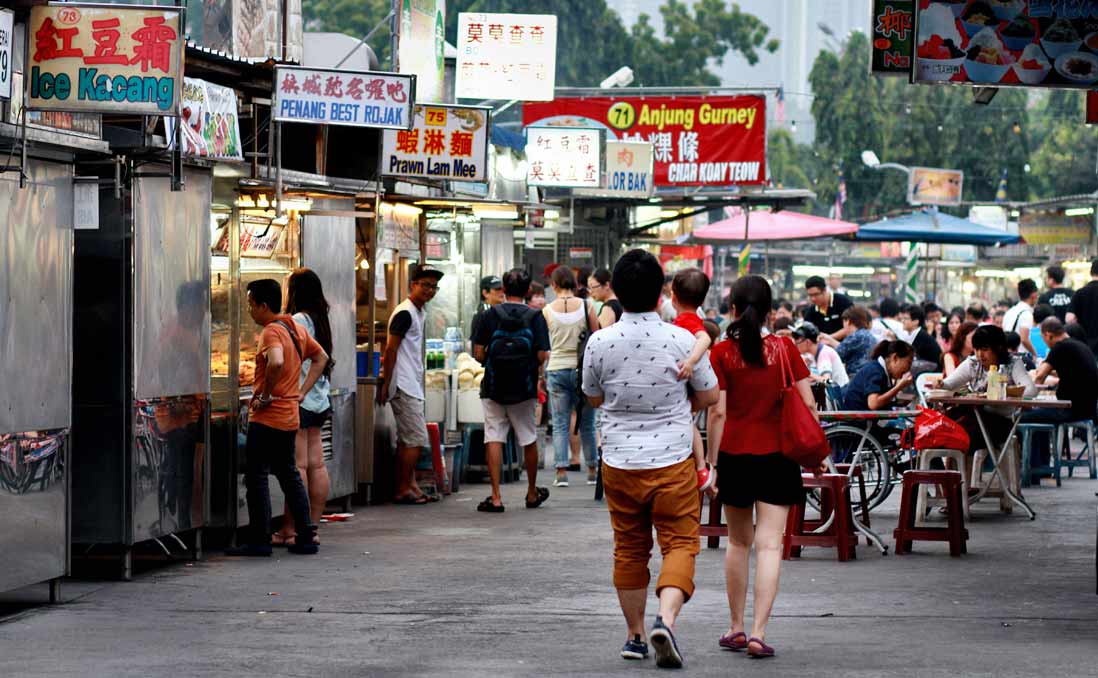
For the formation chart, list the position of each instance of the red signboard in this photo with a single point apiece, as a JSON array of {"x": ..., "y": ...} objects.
[{"x": 696, "y": 140}]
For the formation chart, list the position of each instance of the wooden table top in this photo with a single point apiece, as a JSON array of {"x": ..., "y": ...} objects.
[
  {"x": 1016, "y": 403},
  {"x": 863, "y": 415}
]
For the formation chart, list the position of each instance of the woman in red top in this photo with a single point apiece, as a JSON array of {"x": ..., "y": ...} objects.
[{"x": 752, "y": 474}]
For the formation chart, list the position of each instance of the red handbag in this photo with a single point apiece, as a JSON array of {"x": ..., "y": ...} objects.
[
  {"x": 803, "y": 438},
  {"x": 935, "y": 431}
]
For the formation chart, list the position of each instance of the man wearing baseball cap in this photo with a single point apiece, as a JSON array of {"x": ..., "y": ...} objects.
[
  {"x": 403, "y": 388},
  {"x": 491, "y": 294}
]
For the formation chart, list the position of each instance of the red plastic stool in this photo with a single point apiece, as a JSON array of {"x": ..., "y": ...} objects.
[
  {"x": 954, "y": 532},
  {"x": 863, "y": 501},
  {"x": 714, "y": 529},
  {"x": 835, "y": 500},
  {"x": 437, "y": 464}
]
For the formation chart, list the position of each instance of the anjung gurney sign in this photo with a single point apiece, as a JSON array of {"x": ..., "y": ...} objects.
[
  {"x": 356, "y": 99},
  {"x": 107, "y": 58}
]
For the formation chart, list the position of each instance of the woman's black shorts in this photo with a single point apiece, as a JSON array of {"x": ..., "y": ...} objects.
[
  {"x": 310, "y": 419},
  {"x": 743, "y": 479}
]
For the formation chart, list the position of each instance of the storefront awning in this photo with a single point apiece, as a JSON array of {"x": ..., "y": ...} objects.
[
  {"x": 934, "y": 227},
  {"x": 769, "y": 225}
]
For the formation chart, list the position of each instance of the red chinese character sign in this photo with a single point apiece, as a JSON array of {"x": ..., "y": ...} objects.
[
  {"x": 565, "y": 157},
  {"x": 112, "y": 59},
  {"x": 506, "y": 56},
  {"x": 696, "y": 140},
  {"x": 352, "y": 98},
  {"x": 446, "y": 142}
]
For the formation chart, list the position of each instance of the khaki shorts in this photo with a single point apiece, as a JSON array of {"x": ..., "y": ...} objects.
[
  {"x": 499, "y": 419},
  {"x": 411, "y": 422}
]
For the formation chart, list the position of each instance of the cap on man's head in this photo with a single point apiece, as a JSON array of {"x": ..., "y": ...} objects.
[
  {"x": 425, "y": 272},
  {"x": 491, "y": 282}
]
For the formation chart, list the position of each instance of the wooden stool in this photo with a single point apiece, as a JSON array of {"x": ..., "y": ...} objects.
[
  {"x": 839, "y": 535},
  {"x": 954, "y": 532},
  {"x": 925, "y": 457}
]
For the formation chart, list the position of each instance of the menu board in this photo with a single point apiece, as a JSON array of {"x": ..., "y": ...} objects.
[{"x": 1026, "y": 43}]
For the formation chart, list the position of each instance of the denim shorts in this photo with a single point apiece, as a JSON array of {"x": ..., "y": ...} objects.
[{"x": 310, "y": 419}]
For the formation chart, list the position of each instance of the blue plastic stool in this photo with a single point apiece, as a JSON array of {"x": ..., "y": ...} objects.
[
  {"x": 1026, "y": 431},
  {"x": 1086, "y": 456}
]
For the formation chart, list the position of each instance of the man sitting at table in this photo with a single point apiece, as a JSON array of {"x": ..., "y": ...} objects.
[
  {"x": 989, "y": 346},
  {"x": 1074, "y": 365}
]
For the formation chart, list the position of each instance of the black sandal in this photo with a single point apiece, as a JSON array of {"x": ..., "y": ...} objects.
[
  {"x": 543, "y": 494},
  {"x": 487, "y": 506}
]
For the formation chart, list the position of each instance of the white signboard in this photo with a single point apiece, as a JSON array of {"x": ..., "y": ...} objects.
[
  {"x": 506, "y": 56},
  {"x": 211, "y": 128},
  {"x": 356, "y": 99},
  {"x": 6, "y": 17},
  {"x": 564, "y": 157},
  {"x": 85, "y": 204},
  {"x": 629, "y": 167},
  {"x": 398, "y": 227},
  {"x": 446, "y": 142}
]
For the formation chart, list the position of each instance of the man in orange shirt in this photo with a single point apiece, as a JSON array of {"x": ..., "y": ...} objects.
[{"x": 273, "y": 424}]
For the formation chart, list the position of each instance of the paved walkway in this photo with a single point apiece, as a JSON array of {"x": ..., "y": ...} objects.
[{"x": 444, "y": 591}]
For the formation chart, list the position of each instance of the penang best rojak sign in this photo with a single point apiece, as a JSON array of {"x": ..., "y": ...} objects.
[{"x": 108, "y": 58}]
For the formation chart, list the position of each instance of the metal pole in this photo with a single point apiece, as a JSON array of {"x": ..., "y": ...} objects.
[{"x": 366, "y": 38}]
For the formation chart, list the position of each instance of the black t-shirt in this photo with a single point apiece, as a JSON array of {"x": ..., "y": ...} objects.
[
  {"x": 832, "y": 321},
  {"x": 477, "y": 316},
  {"x": 1078, "y": 372},
  {"x": 401, "y": 323},
  {"x": 1059, "y": 299},
  {"x": 615, "y": 306},
  {"x": 489, "y": 321},
  {"x": 1084, "y": 304},
  {"x": 926, "y": 348}
]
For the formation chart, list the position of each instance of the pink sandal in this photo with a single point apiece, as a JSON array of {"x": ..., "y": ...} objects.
[
  {"x": 737, "y": 642},
  {"x": 762, "y": 653}
]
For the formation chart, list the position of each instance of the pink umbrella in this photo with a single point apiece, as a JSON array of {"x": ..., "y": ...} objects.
[{"x": 766, "y": 225}]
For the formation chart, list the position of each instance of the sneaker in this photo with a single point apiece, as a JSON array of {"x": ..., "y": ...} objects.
[
  {"x": 249, "y": 551},
  {"x": 667, "y": 651},
  {"x": 592, "y": 477},
  {"x": 635, "y": 649},
  {"x": 705, "y": 479},
  {"x": 561, "y": 480}
]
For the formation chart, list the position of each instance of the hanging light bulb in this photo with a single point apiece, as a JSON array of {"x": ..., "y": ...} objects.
[
  {"x": 1017, "y": 127},
  {"x": 793, "y": 126}
]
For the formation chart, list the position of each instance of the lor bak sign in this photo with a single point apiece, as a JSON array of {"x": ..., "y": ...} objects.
[
  {"x": 696, "y": 140},
  {"x": 108, "y": 58}
]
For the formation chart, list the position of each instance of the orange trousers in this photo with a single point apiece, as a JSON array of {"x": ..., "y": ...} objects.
[{"x": 666, "y": 499}]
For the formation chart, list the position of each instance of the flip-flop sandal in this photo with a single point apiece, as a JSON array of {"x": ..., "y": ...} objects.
[
  {"x": 763, "y": 652},
  {"x": 487, "y": 506},
  {"x": 410, "y": 500},
  {"x": 543, "y": 494},
  {"x": 737, "y": 642},
  {"x": 278, "y": 540}
]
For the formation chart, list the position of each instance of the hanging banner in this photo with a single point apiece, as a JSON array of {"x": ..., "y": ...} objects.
[
  {"x": 1054, "y": 227},
  {"x": 211, "y": 127},
  {"x": 1026, "y": 43},
  {"x": 564, "y": 157},
  {"x": 932, "y": 186},
  {"x": 325, "y": 96},
  {"x": 893, "y": 27},
  {"x": 696, "y": 140},
  {"x": 6, "y": 64},
  {"x": 109, "y": 58},
  {"x": 421, "y": 45},
  {"x": 446, "y": 142},
  {"x": 629, "y": 172},
  {"x": 398, "y": 227},
  {"x": 506, "y": 56}
]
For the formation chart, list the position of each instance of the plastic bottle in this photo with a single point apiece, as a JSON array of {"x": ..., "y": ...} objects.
[{"x": 993, "y": 383}]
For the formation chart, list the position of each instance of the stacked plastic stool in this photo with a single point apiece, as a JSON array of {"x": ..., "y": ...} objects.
[
  {"x": 950, "y": 483},
  {"x": 925, "y": 500},
  {"x": 835, "y": 495},
  {"x": 1086, "y": 458},
  {"x": 1025, "y": 432}
]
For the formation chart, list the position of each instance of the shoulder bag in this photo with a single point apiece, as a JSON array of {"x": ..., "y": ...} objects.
[{"x": 803, "y": 438}]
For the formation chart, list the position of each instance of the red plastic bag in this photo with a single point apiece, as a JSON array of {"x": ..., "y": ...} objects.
[{"x": 934, "y": 430}]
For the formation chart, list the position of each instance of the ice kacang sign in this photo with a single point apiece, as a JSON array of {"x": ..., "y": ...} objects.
[
  {"x": 331, "y": 97},
  {"x": 108, "y": 58},
  {"x": 696, "y": 140},
  {"x": 560, "y": 157},
  {"x": 211, "y": 128}
]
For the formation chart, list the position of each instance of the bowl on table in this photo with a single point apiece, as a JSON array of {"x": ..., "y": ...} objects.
[
  {"x": 1015, "y": 391},
  {"x": 939, "y": 393}
]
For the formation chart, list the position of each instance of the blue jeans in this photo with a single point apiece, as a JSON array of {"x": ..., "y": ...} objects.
[{"x": 564, "y": 398}]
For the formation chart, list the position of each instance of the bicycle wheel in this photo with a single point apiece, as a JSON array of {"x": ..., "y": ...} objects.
[{"x": 849, "y": 441}]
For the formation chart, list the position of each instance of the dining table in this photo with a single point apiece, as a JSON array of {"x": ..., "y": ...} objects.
[{"x": 996, "y": 453}]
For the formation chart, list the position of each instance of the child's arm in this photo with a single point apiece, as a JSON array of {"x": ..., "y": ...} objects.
[{"x": 701, "y": 345}]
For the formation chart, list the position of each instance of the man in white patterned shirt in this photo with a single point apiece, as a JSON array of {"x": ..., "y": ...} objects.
[{"x": 630, "y": 372}]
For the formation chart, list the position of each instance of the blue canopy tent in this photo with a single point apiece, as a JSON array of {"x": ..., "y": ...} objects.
[{"x": 934, "y": 227}]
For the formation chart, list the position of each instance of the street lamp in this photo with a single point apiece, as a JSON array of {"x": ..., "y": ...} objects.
[
  {"x": 623, "y": 77},
  {"x": 870, "y": 160}
]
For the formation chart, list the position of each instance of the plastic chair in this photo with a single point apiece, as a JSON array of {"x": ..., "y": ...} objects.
[
  {"x": 924, "y": 499},
  {"x": 954, "y": 532},
  {"x": 1007, "y": 468},
  {"x": 921, "y": 382},
  {"x": 1026, "y": 431},
  {"x": 1085, "y": 458}
]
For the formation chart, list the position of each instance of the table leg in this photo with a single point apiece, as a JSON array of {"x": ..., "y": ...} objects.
[
  {"x": 859, "y": 527},
  {"x": 996, "y": 456}
]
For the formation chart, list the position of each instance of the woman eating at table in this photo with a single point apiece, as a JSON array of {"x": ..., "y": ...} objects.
[
  {"x": 880, "y": 380},
  {"x": 960, "y": 347}
]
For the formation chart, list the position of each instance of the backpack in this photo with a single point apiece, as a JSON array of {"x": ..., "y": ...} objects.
[{"x": 508, "y": 377}]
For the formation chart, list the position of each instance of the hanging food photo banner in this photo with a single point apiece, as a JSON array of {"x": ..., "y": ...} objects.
[
  {"x": 446, "y": 142},
  {"x": 211, "y": 128},
  {"x": 932, "y": 186},
  {"x": 506, "y": 56},
  {"x": 398, "y": 227},
  {"x": 564, "y": 157},
  {"x": 1028, "y": 43},
  {"x": 107, "y": 58},
  {"x": 893, "y": 26},
  {"x": 696, "y": 140},
  {"x": 1055, "y": 227},
  {"x": 356, "y": 99},
  {"x": 628, "y": 171}
]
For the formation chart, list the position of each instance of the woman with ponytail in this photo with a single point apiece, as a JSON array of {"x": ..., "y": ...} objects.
[
  {"x": 880, "y": 380},
  {"x": 756, "y": 483}
]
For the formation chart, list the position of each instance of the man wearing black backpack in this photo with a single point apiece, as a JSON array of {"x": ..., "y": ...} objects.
[{"x": 512, "y": 342}]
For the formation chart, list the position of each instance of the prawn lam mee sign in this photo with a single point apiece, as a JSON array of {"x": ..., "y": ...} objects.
[
  {"x": 106, "y": 58},
  {"x": 696, "y": 140},
  {"x": 1036, "y": 43},
  {"x": 446, "y": 142}
]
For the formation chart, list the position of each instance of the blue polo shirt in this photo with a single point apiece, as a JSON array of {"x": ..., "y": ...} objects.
[{"x": 871, "y": 378}]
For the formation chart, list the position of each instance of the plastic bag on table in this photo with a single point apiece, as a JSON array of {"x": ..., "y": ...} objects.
[{"x": 934, "y": 430}]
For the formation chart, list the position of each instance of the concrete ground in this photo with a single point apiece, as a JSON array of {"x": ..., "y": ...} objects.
[{"x": 441, "y": 590}]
